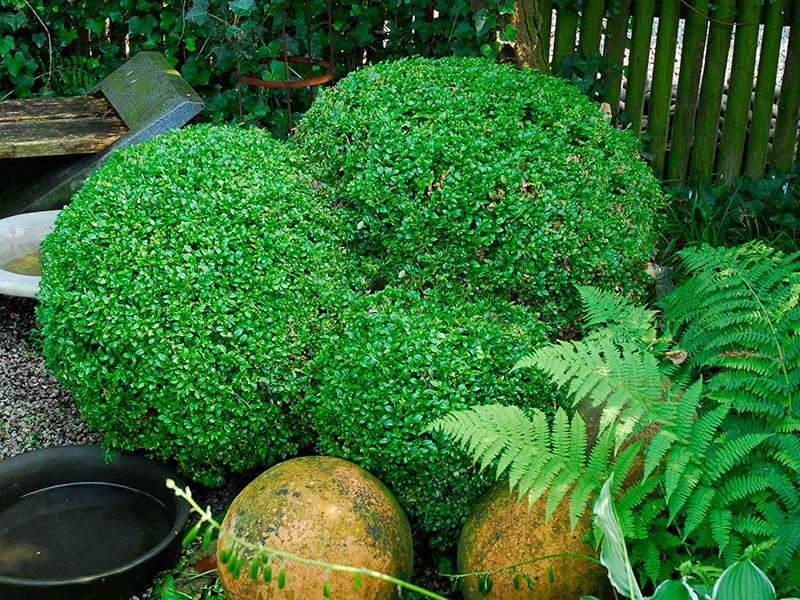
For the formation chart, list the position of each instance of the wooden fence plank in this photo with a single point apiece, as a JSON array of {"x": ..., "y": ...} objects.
[
  {"x": 740, "y": 91},
  {"x": 757, "y": 143},
  {"x": 591, "y": 22},
  {"x": 564, "y": 44},
  {"x": 614, "y": 51},
  {"x": 661, "y": 87},
  {"x": 638, "y": 62},
  {"x": 688, "y": 84},
  {"x": 710, "y": 102},
  {"x": 789, "y": 101}
]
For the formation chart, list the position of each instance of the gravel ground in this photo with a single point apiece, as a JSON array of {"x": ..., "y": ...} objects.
[{"x": 37, "y": 412}]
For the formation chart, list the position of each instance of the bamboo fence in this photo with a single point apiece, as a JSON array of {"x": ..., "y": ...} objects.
[{"x": 711, "y": 114}]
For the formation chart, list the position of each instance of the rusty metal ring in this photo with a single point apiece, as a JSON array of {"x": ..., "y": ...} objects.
[{"x": 295, "y": 83}]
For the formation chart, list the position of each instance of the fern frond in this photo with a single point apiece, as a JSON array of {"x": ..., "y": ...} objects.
[
  {"x": 787, "y": 549},
  {"x": 704, "y": 429},
  {"x": 680, "y": 494},
  {"x": 754, "y": 525},
  {"x": 620, "y": 375},
  {"x": 698, "y": 506},
  {"x": 658, "y": 447},
  {"x": 721, "y": 526},
  {"x": 685, "y": 409},
  {"x": 559, "y": 488},
  {"x": 486, "y": 431},
  {"x": 742, "y": 486},
  {"x": 628, "y": 322},
  {"x": 732, "y": 452},
  {"x": 733, "y": 315}
]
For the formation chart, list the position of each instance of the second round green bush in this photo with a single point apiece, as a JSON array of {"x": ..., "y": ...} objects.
[{"x": 470, "y": 174}]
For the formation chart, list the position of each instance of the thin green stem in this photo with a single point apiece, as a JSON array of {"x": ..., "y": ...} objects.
[{"x": 521, "y": 564}]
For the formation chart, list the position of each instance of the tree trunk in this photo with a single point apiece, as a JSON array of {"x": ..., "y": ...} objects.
[{"x": 529, "y": 48}]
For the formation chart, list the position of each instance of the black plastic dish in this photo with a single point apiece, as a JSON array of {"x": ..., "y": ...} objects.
[{"x": 41, "y": 469}]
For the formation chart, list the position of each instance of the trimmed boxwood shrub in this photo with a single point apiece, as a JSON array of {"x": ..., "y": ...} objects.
[
  {"x": 184, "y": 289},
  {"x": 396, "y": 361},
  {"x": 470, "y": 173}
]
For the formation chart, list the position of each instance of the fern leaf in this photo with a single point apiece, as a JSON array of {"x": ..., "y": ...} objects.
[
  {"x": 705, "y": 428},
  {"x": 559, "y": 487},
  {"x": 732, "y": 452},
  {"x": 658, "y": 447},
  {"x": 578, "y": 440},
  {"x": 685, "y": 410},
  {"x": 721, "y": 525},
  {"x": 584, "y": 489},
  {"x": 603, "y": 307},
  {"x": 560, "y": 435},
  {"x": 743, "y": 486},
  {"x": 680, "y": 493},
  {"x": 754, "y": 525},
  {"x": 698, "y": 506}
]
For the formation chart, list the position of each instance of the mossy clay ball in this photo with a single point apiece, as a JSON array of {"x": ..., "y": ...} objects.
[
  {"x": 501, "y": 531},
  {"x": 321, "y": 508}
]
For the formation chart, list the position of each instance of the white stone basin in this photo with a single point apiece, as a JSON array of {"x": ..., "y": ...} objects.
[{"x": 21, "y": 235}]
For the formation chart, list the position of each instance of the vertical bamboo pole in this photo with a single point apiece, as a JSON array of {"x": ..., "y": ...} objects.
[
  {"x": 789, "y": 101},
  {"x": 591, "y": 21},
  {"x": 740, "y": 91},
  {"x": 710, "y": 103},
  {"x": 638, "y": 63},
  {"x": 758, "y": 141},
  {"x": 614, "y": 52},
  {"x": 688, "y": 84},
  {"x": 661, "y": 88},
  {"x": 564, "y": 45},
  {"x": 547, "y": 21}
]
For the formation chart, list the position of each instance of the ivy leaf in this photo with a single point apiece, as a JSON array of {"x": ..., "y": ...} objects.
[
  {"x": 483, "y": 22},
  {"x": 6, "y": 45},
  {"x": 242, "y": 8},
  {"x": 198, "y": 14},
  {"x": 142, "y": 25}
]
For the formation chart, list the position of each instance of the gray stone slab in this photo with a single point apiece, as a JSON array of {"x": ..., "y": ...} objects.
[{"x": 149, "y": 95}]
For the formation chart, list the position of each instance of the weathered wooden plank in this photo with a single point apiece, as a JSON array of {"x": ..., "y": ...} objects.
[
  {"x": 758, "y": 142},
  {"x": 789, "y": 101},
  {"x": 688, "y": 84},
  {"x": 591, "y": 21},
  {"x": 661, "y": 88},
  {"x": 564, "y": 44},
  {"x": 54, "y": 108},
  {"x": 638, "y": 62},
  {"x": 740, "y": 91},
  {"x": 709, "y": 105},
  {"x": 51, "y": 137},
  {"x": 614, "y": 52}
]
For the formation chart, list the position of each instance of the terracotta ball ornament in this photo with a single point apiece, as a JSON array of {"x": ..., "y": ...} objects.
[{"x": 321, "y": 508}]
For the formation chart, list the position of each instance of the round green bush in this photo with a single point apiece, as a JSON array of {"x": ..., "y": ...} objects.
[
  {"x": 183, "y": 291},
  {"x": 396, "y": 361},
  {"x": 468, "y": 173}
]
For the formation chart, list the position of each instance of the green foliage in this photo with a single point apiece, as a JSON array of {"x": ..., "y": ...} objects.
[
  {"x": 468, "y": 174},
  {"x": 721, "y": 471},
  {"x": 184, "y": 288},
  {"x": 767, "y": 209},
  {"x": 742, "y": 580},
  {"x": 398, "y": 359},
  {"x": 204, "y": 38}
]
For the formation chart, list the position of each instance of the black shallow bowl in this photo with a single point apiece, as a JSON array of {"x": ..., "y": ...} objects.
[{"x": 43, "y": 470}]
